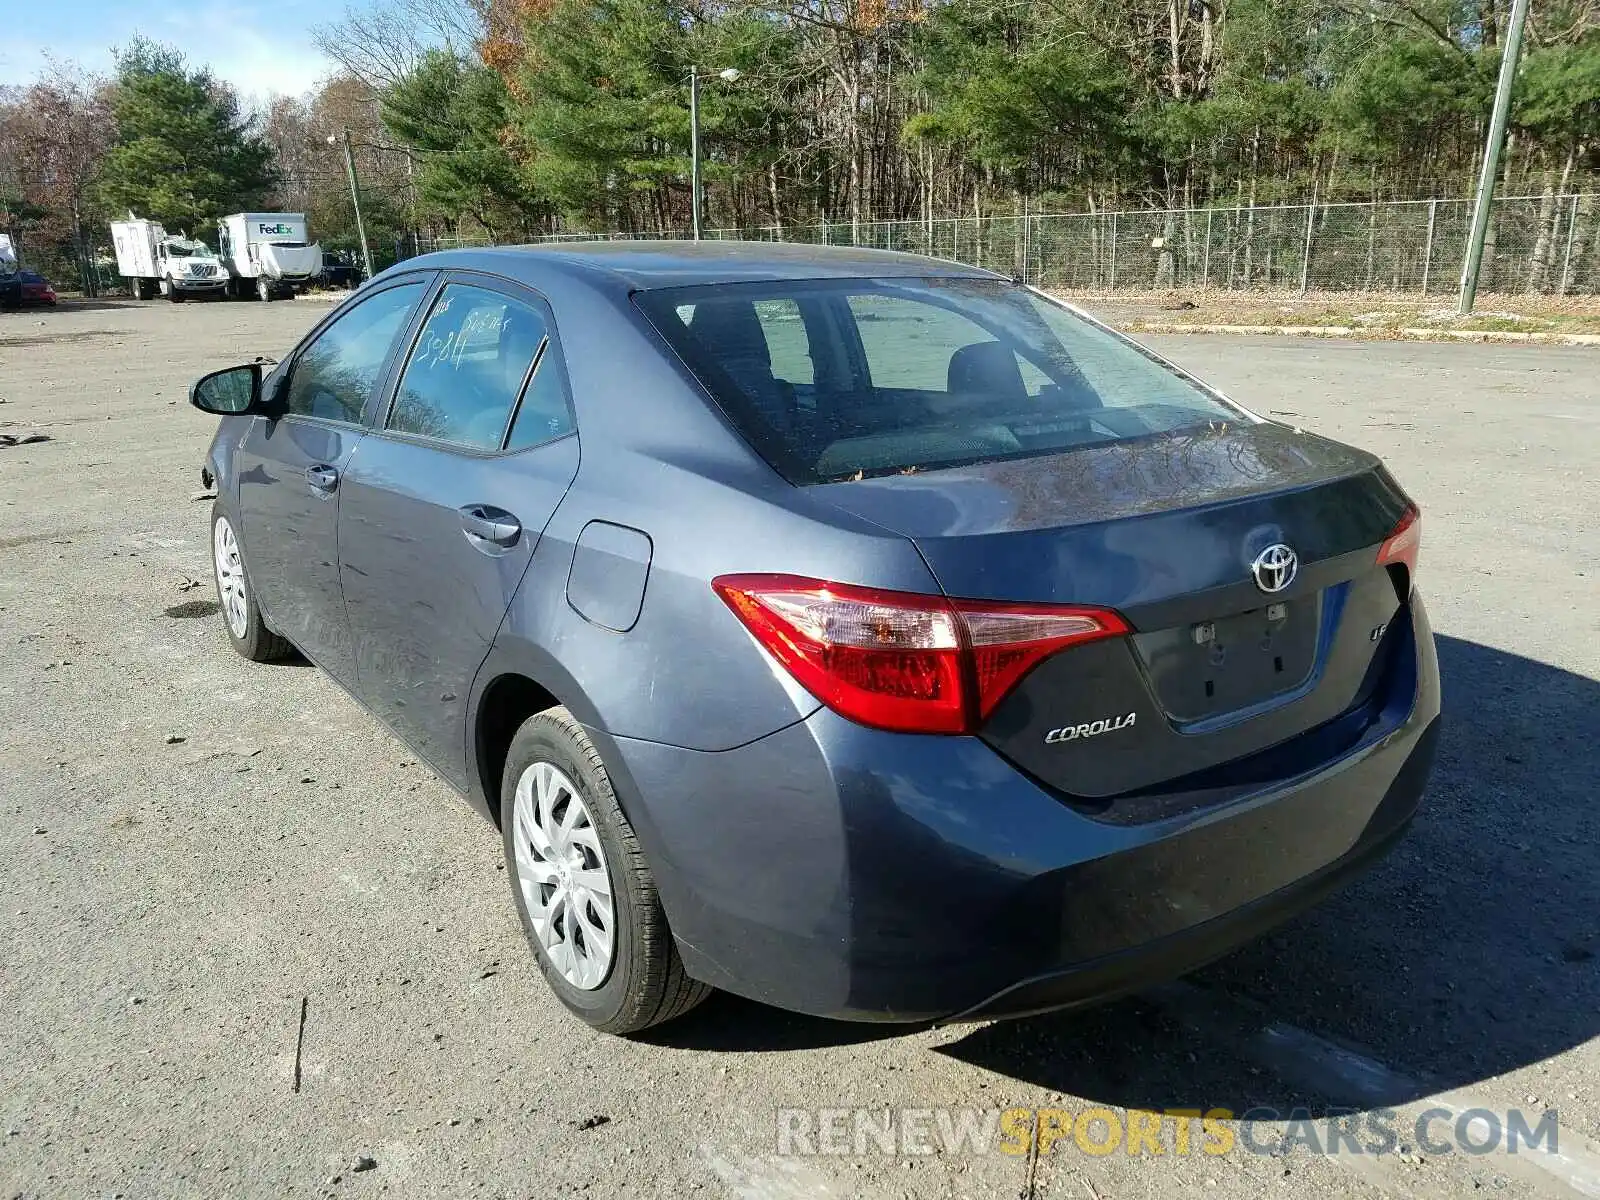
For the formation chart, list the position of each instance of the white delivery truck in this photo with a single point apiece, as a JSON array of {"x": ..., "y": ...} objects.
[
  {"x": 8, "y": 256},
  {"x": 268, "y": 253},
  {"x": 152, "y": 260}
]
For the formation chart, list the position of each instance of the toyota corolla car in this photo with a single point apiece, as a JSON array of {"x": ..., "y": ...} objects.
[{"x": 867, "y": 635}]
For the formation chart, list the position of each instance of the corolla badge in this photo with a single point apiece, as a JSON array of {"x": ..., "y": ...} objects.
[
  {"x": 1069, "y": 733},
  {"x": 1275, "y": 568}
]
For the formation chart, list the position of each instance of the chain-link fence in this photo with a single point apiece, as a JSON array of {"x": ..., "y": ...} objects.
[{"x": 1535, "y": 244}]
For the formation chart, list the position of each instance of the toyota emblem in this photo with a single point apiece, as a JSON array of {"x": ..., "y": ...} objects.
[{"x": 1275, "y": 568}]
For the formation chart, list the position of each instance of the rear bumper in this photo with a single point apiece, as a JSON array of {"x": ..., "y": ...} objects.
[
  {"x": 1192, "y": 948},
  {"x": 847, "y": 872}
]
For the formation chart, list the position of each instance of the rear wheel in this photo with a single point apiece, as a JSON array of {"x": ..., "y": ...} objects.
[
  {"x": 582, "y": 887},
  {"x": 240, "y": 615}
]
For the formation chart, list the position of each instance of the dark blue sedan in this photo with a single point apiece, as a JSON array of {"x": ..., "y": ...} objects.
[{"x": 864, "y": 634}]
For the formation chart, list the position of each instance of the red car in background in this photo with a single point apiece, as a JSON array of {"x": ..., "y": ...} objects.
[
  {"x": 25, "y": 287},
  {"x": 36, "y": 288}
]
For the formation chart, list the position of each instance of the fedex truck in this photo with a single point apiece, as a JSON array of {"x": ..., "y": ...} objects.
[{"x": 268, "y": 254}]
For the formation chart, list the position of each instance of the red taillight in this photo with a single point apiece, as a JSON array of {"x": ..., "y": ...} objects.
[
  {"x": 900, "y": 660},
  {"x": 1402, "y": 545},
  {"x": 1009, "y": 640}
]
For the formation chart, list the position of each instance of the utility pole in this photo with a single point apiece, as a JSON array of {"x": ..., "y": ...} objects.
[
  {"x": 1491, "y": 156},
  {"x": 694, "y": 150},
  {"x": 355, "y": 199}
]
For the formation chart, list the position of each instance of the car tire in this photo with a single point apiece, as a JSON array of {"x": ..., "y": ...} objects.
[
  {"x": 236, "y": 598},
  {"x": 642, "y": 982},
  {"x": 263, "y": 289},
  {"x": 174, "y": 294}
]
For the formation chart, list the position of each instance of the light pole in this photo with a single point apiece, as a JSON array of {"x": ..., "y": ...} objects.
[
  {"x": 727, "y": 75},
  {"x": 1491, "y": 157},
  {"x": 355, "y": 197}
]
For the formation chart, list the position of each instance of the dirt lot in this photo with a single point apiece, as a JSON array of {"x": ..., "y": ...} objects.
[{"x": 248, "y": 946}]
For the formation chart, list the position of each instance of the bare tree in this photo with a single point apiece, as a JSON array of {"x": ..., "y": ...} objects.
[
  {"x": 381, "y": 44},
  {"x": 287, "y": 128},
  {"x": 53, "y": 137}
]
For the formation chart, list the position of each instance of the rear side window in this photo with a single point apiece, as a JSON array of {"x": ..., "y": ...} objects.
[
  {"x": 336, "y": 373},
  {"x": 468, "y": 367},
  {"x": 838, "y": 379},
  {"x": 545, "y": 412}
]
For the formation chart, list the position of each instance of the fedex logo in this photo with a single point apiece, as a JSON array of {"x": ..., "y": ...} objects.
[{"x": 278, "y": 228}]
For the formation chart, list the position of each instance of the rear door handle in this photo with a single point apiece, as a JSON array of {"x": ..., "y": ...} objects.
[
  {"x": 322, "y": 478},
  {"x": 483, "y": 523}
]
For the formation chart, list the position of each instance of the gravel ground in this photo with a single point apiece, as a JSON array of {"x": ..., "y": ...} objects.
[{"x": 252, "y": 947}]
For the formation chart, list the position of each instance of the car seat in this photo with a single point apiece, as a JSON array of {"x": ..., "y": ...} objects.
[{"x": 731, "y": 333}]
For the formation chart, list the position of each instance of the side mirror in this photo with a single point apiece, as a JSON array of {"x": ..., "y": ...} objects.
[{"x": 230, "y": 393}]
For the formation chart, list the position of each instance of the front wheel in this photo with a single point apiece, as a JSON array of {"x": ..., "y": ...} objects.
[
  {"x": 582, "y": 887},
  {"x": 263, "y": 288},
  {"x": 240, "y": 615}
]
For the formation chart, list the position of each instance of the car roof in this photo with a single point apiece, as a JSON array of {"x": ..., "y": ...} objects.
[{"x": 644, "y": 265}]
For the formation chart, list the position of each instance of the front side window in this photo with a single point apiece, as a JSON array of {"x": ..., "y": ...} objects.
[
  {"x": 468, "y": 368},
  {"x": 838, "y": 379},
  {"x": 335, "y": 374}
]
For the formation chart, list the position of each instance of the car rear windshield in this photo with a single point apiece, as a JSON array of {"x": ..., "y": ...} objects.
[{"x": 842, "y": 379}]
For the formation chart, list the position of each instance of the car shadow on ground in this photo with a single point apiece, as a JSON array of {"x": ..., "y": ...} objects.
[
  {"x": 1471, "y": 951},
  {"x": 733, "y": 1025}
]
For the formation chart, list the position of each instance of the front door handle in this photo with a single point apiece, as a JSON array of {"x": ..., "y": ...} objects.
[
  {"x": 483, "y": 523},
  {"x": 322, "y": 478}
]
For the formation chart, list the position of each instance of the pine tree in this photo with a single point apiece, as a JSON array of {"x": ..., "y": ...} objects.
[{"x": 182, "y": 155}]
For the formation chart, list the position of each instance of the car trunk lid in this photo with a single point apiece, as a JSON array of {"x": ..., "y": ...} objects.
[{"x": 1166, "y": 531}]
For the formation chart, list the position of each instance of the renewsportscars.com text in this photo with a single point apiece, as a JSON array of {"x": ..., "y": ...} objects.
[{"x": 859, "y": 1132}]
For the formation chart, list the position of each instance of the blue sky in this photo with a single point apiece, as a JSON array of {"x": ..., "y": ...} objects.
[{"x": 260, "y": 48}]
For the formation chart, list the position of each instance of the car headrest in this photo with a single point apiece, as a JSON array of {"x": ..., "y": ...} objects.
[
  {"x": 987, "y": 368},
  {"x": 730, "y": 330}
]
